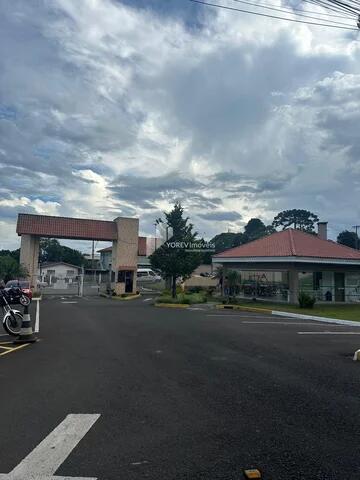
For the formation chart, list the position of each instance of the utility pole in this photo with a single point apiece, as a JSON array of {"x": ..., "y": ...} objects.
[
  {"x": 357, "y": 238},
  {"x": 93, "y": 258}
]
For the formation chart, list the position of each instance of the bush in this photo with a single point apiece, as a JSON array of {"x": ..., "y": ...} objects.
[
  {"x": 306, "y": 300},
  {"x": 194, "y": 289},
  {"x": 183, "y": 298},
  {"x": 166, "y": 291},
  {"x": 197, "y": 298}
]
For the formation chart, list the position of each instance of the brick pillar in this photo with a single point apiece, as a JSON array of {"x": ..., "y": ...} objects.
[
  {"x": 125, "y": 251},
  {"x": 29, "y": 257}
]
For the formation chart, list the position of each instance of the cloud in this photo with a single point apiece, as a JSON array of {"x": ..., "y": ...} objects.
[
  {"x": 221, "y": 216},
  {"x": 121, "y": 108}
]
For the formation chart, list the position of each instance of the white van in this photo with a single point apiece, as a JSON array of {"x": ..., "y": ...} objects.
[{"x": 147, "y": 275}]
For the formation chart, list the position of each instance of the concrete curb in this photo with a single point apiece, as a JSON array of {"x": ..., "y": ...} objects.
[
  {"x": 172, "y": 305},
  {"x": 314, "y": 317},
  {"x": 240, "y": 307},
  {"x": 130, "y": 297},
  {"x": 279, "y": 313}
]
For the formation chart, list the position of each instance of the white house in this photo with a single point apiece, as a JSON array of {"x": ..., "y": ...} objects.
[{"x": 58, "y": 274}]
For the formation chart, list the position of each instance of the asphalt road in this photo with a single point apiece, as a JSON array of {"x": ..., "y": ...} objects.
[{"x": 185, "y": 394}]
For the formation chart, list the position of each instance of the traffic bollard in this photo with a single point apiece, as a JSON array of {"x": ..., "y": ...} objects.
[{"x": 26, "y": 333}]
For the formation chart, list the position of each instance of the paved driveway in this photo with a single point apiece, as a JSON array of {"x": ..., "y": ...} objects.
[{"x": 171, "y": 394}]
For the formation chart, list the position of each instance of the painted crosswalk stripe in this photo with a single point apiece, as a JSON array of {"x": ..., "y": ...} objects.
[{"x": 46, "y": 458}]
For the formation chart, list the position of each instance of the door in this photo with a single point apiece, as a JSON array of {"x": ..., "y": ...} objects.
[
  {"x": 339, "y": 287},
  {"x": 129, "y": 281}
]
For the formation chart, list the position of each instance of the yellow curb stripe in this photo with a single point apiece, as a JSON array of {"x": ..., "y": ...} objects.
[
  {"x": 5, "y": 348},
  {"x": 130, "y": 297},
  {"x": 14, "y": 349},
  {"x": 172, "y": 305},
  {"x": 246, "y": 309}
]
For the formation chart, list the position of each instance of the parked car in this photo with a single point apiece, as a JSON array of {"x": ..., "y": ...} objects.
[
  {"x": 147, "y": 275},
  {"x": 23, "y": 284}
]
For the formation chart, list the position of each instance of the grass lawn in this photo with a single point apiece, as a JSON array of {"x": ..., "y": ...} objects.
[
  {"x": 184, "y": 298},
  {"x": 343, "y": 312}
]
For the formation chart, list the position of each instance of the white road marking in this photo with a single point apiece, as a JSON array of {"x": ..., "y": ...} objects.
[
  {"x": 69, "y": 302},
  {"x": 328, "y": 333},
  {"x": 37, "y": 318},
  {"x": 288, "y": 323},
  {"x": 46, "y": 458},
  {"x": 237, "y": 315},
  {"x": 147, "y": 299}
]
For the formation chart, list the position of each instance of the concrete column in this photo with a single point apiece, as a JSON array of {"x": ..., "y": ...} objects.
[
  {"x": 29, "y": 257},
  {"x": 293, "y": 285},
  {"x": 125, "y": 250}
]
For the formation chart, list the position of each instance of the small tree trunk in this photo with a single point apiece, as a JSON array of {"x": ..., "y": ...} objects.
[{"x": 173, "y": 287}]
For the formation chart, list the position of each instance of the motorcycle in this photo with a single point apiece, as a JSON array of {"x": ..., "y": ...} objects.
[
  {"x": 12, "y": 319},
  {"x": 15, "y": 295}
]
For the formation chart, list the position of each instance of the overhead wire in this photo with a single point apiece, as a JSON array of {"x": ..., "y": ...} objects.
[
  {"x": 291, "y": 9},
  {"x": 289, "y": 13},
  {"x": 225, "y": 7},
  {"x": 352, "y": 8}
]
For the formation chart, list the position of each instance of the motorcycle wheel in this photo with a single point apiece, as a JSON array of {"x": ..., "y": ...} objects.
[
  {"x": 12, "y": 323},
  {"x": 24, "y": 300}
]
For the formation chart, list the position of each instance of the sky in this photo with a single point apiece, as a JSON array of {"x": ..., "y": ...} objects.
[{"x": 120, "y": 108}]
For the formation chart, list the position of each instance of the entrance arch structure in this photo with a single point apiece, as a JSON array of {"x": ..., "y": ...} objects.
[{"x": 123, "y": 232}]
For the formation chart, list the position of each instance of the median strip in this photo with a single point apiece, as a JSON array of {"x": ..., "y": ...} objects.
[{"x": 172, "y": 305}]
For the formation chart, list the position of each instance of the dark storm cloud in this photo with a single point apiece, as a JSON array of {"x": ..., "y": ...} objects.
[
  {"x": 221, "y": 216},
  {"x": 123, "y": 106},
  {"x": 143, "y": 191}
]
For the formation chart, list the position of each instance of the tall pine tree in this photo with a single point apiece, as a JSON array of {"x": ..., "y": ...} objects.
[{"x": 175, "y": 262}]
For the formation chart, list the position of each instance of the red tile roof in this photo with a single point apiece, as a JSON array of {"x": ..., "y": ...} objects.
[
  {"x": 141, "y": 247},
  {"x": 65, "y": 227},
  {"x": 292, "y": 243}
]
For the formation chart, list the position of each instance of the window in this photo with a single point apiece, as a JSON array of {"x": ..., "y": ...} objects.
[
  {"x": 50, "y": 272},
  {"x": 142, "y": 274},
  {"x": 70, "y": 273}
]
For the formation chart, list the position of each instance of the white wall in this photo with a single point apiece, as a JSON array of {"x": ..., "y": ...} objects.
[
  {"x": 352, "y": 287},
  {"x": 60, "y": 271}
]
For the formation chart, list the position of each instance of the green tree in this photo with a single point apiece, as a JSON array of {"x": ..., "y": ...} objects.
[
  {"x": 172, "y": 258},
  {"x": 297, "y": 218},
  {"x": 350, "y": 239},
  {"x": 52, "y": 251},
  {"x": 233, "y": 280},
  {"x": 223, "y": 241},
  {"x": 256, "y": 228},
  {"x": 10, "y": 269},
  {"x": 15, "y": 254}
]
